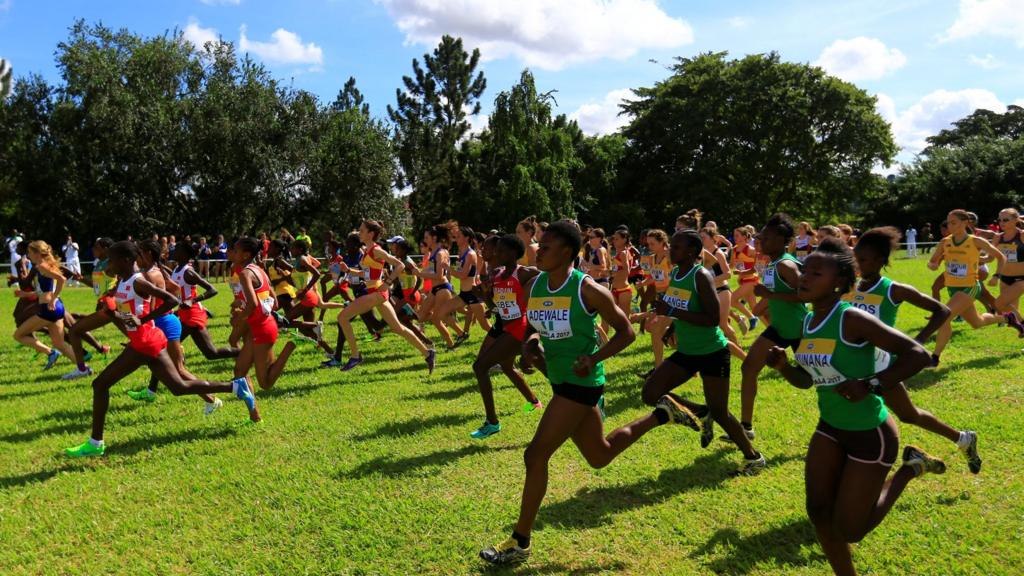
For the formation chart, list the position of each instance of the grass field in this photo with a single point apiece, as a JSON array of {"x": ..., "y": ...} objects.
[{"x": 374, "y": 472}]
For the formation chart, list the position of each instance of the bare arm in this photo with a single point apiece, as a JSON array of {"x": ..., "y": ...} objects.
[
  {"x": 597, "y": 297},
  {"x": 939, "y": 311}
]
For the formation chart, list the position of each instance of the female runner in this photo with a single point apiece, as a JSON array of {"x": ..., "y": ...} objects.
[
  {"x": 715, "y": 260},
  {"x": 50, "y": 316},
  {"x": 466, "y": 270},
  {"x": 147, "y": 346},
  {"x": 856, "y": 441},
  {"x": 744, "y": 262},
  {"x": 437, "y": 271},
  {"x": 1010, "y": 242},
  {"x": 191, "y": 312},
  {"x": 804, "y": 242},
  {"x": 527, "y": 231}
]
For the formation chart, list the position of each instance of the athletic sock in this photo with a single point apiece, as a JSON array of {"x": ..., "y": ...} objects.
[
  {"x": 963, "y": 442},
  {"x": 661, "y": 415},
  {"x": 522, "y": 541},
  {"x": 747, "y": 426},
  {"x": 95, "y": 443},
  {"x": 82, "y": 367}
]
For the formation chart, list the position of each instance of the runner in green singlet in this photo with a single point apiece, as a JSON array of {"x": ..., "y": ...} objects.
[
  {"x": 881, "y": 297},
  {"x": 856, "y": 441},
  {"x": 778, "y": 286},
  {"x": 563, "y": 309},
  {"x": 701, "y": 347}
]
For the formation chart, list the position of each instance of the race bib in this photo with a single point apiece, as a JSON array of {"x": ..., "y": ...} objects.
[
  {"x": 815, "y": 355},
  {"x": 505, "y": 302},
  {"x": 956, "y": 269},
  {"x": 658, "y": 274},
  {"x": 768, "y": 278},
  {"x": 550, "y": 317},
  {"x": 1010, "y": 251},
  {"x": 677, "y": 298},
  {"x": 870, "y": 303}
]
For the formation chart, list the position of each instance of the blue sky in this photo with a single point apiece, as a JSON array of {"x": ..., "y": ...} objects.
[{"x": 929, "y": 62}]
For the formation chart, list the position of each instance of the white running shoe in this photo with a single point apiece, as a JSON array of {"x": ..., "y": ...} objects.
[
  {"x": 212, "y": 407},
  {"x": 76, "y": 374},
  {"x": 319, "y": 331}
]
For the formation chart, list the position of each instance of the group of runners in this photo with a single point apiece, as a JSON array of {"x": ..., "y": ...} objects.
[{"x": 561, "y": 299}]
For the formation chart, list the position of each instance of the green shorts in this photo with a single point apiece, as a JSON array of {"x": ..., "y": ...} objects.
[{"x": 972, "y": 291}]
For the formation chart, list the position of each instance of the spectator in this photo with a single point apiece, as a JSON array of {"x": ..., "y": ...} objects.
[
  {"x": 13, "y": 239},
  {"x": 203, "y": 253},
  {"x": 305, "y": 238},
  {"x": 171, "y": 245},
  {"x": 925, "y": 237},
  {"x": 71, "y": 259},
  {"x": 264, "y": 245},
  {"x": 911, "y": 235},
  {"x": 222, "y": 256}
]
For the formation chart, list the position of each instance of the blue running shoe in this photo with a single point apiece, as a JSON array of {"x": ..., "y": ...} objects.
[
  {"x": 485, "y": 431},
  {"x": 51, "y": 359},
  {"x": 244, "y": 393},
  {"x": 431, "y": 360},
  {"x": 332, "y": 363},
  {"x": 753, "y": 322},
  {"x": 352, "y": 363}
]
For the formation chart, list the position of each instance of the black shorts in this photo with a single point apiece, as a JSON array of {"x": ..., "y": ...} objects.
[
  {"x": 468, "y": 298},
  {"x": 714, "y": 364},
  {"x": 496, "y": 330},
  {"x": 878, "y": 445},
  {"x": 773, "y": 335},
  {"x": 721, "y": 289},
  {"x": 586, "y": 395},
  {"x": 437, "y": 288},
  {"x": 1010, "y": 280}
]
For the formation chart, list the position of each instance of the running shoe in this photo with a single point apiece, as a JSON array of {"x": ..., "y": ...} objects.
[
  {"x": 921, "y": 462},
  {"x": 753, "y": 322},
  {"x": 1013, "y": 322},
  {"x": 431, "y": 360},
  {"x": 751, "y": 467},
  {"x": 485, "y": 431},
  {"x": 353, "y": 362},
  {"x": 377, "y": 337},
  {"x": 319, "y": 331},
  {"x": 332, "y": 363},
  {"x": 744, "y": 327},
  {"x": 281, "y": 321},
  {"x": 76, "y": 374},
  {"x": 971, "y": 452},
  {"x": 87, "y": 356},
  {"x": 85, "y": 449},
  {"x": 51, "y": 359},
  {"x": 749, "y": 432},
  {"x": 494, "y": 369},
  {"x": 461, "y": 338},
  {"x": 707, "y": 433},
  {"x": 935, "y": 360},
  {"x": 212, "y": 407},
  {"x": 677, "y": 413},
  {"x": 144, "y": 395},
  {"x": 508, "y": 552},
  {"x": 243, "y": 391}
]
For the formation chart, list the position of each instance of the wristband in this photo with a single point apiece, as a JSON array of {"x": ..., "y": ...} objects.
[{"x": 875, "y": 386}]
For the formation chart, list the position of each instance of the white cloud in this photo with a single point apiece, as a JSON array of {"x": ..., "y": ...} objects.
[
  {"x": 221, "y": 2},
  {"x": 286, "y": 47},
  {"x": 988, "y": 18},
  {"x": 933, "y": 113},
  {"x": 603, "y": 117},
  {"x": 739, "y": 22},
  {"x": 1019, "y": 102},
  {"x": 548, "y": 34},
  {"x": 198, "y": 35},
  {"x": 860, "y": 58},
  {"x": 987, "y": 62}
]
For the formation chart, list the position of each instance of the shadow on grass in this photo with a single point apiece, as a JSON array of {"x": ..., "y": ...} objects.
[
  {"x": 780, "y": 546},
  {"x": 930, "y": 377},
  {"x": 415, "y": 426},
  {"x": 529, "y": 568},
  {"x": 396, "y": 467},
  {"x": 591, "y": 508},
  {"x": 448, "y": 394},
  {"x": 28, "y": 393}
]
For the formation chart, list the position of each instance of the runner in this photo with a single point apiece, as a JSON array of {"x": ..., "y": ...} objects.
[
  {"x": 438, "y": 272},
  {"x": 1010, "y": 242},
  {"x": 103, "y": 286},
  {"x": 701, "y": 347},
  {"x": 147, "y": 347},
  {"x": 372, "y": 271},
  {"x": 504, "y": 341},
  {"x": 527, "y": 231},
  {"x": 715, "y": 261},
  {"x": 407, "y": 297},
  {"x": 744, "y": 262},
  {"x": 962, "y": 253},
  {"x": 564, "y": 305},
  {"x": 618, "y": 275},
  {"x": 661, "y": 266},
  {"x": 881, "y": 297},
  {"x": 466, "y": 271},
  {"x": 856, "y": 441},
  {"x": 191, "y": 312},
  {"x": 780, "y": 280},
  {"x": 49, "y": 282},
  {"x": 804, "y": 242}
]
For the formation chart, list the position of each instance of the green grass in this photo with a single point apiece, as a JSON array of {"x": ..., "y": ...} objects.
[{"x": 373, "y": 472}]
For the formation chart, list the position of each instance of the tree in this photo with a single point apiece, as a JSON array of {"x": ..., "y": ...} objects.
[
  {"x": 980, "y": 124},
  {"x": 744, "y": 138},
  {"x": 350, "y": 98},
  {"x": 429, "y": 120}
]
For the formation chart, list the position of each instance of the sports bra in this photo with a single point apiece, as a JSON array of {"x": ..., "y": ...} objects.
[{"x": 1012, "y": 249}]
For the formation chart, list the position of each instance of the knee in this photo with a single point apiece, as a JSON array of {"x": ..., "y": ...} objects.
[
  {"x": 532, "y": 458},
  {"x": 597, "y": 462},
  {"x": 719, "y": 412},
  {"x": 848, "y": 534},
  {"x": 479, "y": 369},
  {"x": 819, "y": 512}
]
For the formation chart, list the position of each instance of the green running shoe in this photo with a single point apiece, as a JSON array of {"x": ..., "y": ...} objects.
[
  {"x": 85, "y": 449},
  {"x": 508, "y": 552},
  {"x": 143, "y": 395},
  {"x": 485, "y": 431}
]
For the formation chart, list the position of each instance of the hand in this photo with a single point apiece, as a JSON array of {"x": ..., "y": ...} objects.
[
  {"x": 583, "y": 365},
  {"x": 777, "y": 358},
  {"x": 130, "y": 321},
  {"x": 661, "y": 308},
  {"x": 52, "y": 305},
  {"x": 761, "y": 291},
  {"x": 853, "y": 390},
  {"x": 932, "y": 265}
]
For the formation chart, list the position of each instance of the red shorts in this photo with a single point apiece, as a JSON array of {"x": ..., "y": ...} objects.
[
  {"x": 617, "y": 291},
  {"x": 517, "y": 328},
  {"x": 412, "y": 296},
  {"x": 749, "y": 280},
  {"x": 193, "y": 316},
  {"x": 147, "y": 340},
  {"x": 263, "y": 328},
  {"x": 310, "y": 299}
]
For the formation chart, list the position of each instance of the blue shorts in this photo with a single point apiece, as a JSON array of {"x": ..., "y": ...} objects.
[
  {"x": 170, "y": 325},
  {"x": 51, "y": 315}
]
